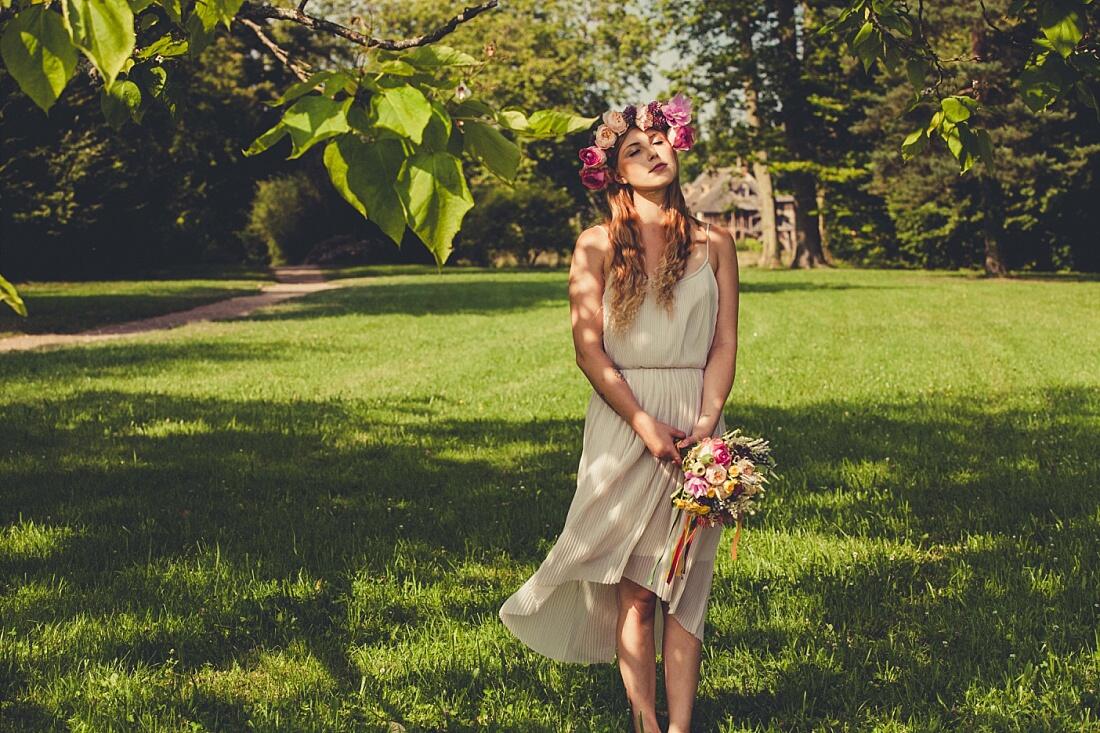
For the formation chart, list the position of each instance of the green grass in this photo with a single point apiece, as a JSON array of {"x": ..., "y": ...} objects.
[
  {"x": 69, "y": 307},
  {"x": 306, "y": 520}
]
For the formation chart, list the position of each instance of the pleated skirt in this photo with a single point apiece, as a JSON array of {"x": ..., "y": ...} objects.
[{"x": 618, "y": 525}]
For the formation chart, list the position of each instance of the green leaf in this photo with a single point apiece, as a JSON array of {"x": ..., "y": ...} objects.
[
  {"x": 266, "y": 140},
  {"x": 552, "y": 123},
  {"x": 863, "y": 34},
  {"x": 955, "y": 109},
  {"x": 403, "y": 109},
  {"x": 166, "y": 46},
  {"x": 891, "y": 55},
  {"x": 471, "y": 108},
  {"x": 120, "y": 102},
  {"x": 366, "y": 174},
  {"x": 436, "y": 198},
  {"x": 212, "y": 12},
  {"x": 438, "y": 130},
  {"x": 935, "y": 122},
  {"x": 9, "y": 295},
  {"x": 969, "y": 145},
  {"x": 313, "y": 119},
  {"x": 435, "y": 56},
  {"x": 38, "y": 53},
  {"x": 1040, "y": 85},
  {"x": 174, "y": 10},
  {"x": 916, "y": 69},
  {"x": 865, "y": 44},
  {"x": 985, "y": 146},
  {"x": 301, "y": 88},
  {"x": 499, "y": 154},
  {"x": 104, "y": 31},
  {"x": 150, "y": 79},
  {"x": 1061, "y": 25},
  {"x": 513, "y": 119},
  {"x": 954, "y": 144},
  {"x": 916, "y": 142}
]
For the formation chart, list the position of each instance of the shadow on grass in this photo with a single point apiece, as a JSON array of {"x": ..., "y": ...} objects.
[
  {"x": 72, "y": 314},
  {"x": 494, "y": 294},
  {"x": 217, "y": 516}
]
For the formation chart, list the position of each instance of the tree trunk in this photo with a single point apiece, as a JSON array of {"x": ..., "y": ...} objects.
[
  {"x": 769, "y": 254},
  {"x": 794, "y": 114},
  {"x": 991, "y": 226},
  {"x": 988, "y": 186},
  {"x": 822, "y": 230}
]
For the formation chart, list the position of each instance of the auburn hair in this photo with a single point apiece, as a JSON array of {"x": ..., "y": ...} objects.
[{"x": 627, "y": 276}]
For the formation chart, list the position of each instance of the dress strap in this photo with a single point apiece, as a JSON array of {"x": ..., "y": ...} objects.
[{"x": 708, "y": 243}]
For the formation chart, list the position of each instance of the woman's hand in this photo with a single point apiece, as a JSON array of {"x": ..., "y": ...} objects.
[
  {"x": 697, "y": 433},
  {"x": 660, "y": 438}
]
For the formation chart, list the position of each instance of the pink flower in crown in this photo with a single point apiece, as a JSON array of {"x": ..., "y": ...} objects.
[
  {"x": 593, "y": 156},
  {"x": 697, "y": 486},
  {"x": 595, "y": 179},
  {"x": 644, "y": 119},
  {"x": 605, "y": 137},
  {"x": 682, "y": 138},
  {"x": 677, "y": 110},
  {"x": 615, "y": 121},
  {"x": 721, "y": 452}
]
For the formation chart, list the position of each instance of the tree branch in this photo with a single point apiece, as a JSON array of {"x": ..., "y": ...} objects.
[
  {"x": 274, "y": 48},
  {"x": 258, "y": 12}
]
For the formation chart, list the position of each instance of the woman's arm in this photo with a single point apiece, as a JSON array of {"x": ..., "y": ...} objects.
[
  {"x": 722, "y": 358},
  {"x": 586, "y": 285}
]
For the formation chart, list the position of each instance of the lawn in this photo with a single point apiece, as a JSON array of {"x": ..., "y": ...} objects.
[
  {"x": 70, "y": 307},
  {"x": 306, "y": 519}
]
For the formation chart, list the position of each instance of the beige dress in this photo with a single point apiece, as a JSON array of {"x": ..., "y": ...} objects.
[{"x": 621, "y": 515}]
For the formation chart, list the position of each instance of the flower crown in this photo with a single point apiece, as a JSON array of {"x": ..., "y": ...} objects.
[{"x": 671, "y": 117}]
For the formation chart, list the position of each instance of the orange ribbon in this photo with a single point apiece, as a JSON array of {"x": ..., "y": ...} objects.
[{"x": 736, "y": 538}]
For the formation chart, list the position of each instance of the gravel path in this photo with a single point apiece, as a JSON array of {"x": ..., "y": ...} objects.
[{"x": 290, "y": 282}]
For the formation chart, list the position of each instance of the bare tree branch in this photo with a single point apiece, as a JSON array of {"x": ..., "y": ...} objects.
[
  {"x": 274, "y": 48},
  {"x": 258, "y": 12}
]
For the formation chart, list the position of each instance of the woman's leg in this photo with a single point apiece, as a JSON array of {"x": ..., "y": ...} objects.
[
  {"x": 681, "y": 652},
  {"x": 637, "y": 652}
]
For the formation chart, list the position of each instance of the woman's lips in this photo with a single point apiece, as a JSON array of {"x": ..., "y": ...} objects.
[{"x": 658, "y": 167}]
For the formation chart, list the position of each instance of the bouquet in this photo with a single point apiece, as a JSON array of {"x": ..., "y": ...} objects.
[{"x": 723, "y": 479}]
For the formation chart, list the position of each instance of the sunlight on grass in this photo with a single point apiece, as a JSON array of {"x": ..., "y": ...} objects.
[{"x": 306, "y": 519}]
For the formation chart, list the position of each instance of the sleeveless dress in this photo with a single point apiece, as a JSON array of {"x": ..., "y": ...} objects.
[{"x": 621, "y": 515}]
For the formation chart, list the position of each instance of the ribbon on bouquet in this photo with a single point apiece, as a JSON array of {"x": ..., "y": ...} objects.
[
  {"x": 736, "y": 538},
  {"x": 687, "y": 534}
]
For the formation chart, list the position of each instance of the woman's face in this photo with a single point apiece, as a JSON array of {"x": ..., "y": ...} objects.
[{"x": 646, "y": 160}]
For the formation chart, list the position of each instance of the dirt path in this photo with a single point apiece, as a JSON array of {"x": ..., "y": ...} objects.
[{"x": 291, "y": 282}]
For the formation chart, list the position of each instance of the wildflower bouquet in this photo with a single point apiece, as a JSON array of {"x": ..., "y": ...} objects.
[{"x": 723, "y": 478}]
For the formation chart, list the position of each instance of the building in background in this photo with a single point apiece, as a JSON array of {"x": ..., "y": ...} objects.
[{"x": 729, "y": 196}]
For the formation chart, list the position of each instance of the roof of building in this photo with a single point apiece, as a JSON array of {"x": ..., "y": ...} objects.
[{"x": 719, "y": 190}]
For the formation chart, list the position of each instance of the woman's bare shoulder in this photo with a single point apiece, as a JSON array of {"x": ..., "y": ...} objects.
[{"x": 593, "y": 249}]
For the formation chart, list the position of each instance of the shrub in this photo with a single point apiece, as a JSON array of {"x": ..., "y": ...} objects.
[{"x": 285, "y": 217}]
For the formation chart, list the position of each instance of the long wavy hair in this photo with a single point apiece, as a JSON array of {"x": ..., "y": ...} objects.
[{"x": 627, "y": 277}]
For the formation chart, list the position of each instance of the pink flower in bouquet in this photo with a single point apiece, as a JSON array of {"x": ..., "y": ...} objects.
[
  {"x": 721, "y": 452},
  {"x": 594, "y": 178},
  {"x": 697, "y": 486},
  {"x": 716, "y": 473},
  {"x": 677, "y": 111},
  {"x": 593, "y": 156}
]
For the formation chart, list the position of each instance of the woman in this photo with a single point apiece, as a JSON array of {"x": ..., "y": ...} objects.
[{"x": 654, "y": 299}]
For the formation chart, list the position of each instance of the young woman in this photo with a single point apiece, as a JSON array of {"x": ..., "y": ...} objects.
[{"x": 654, "y": 299}]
